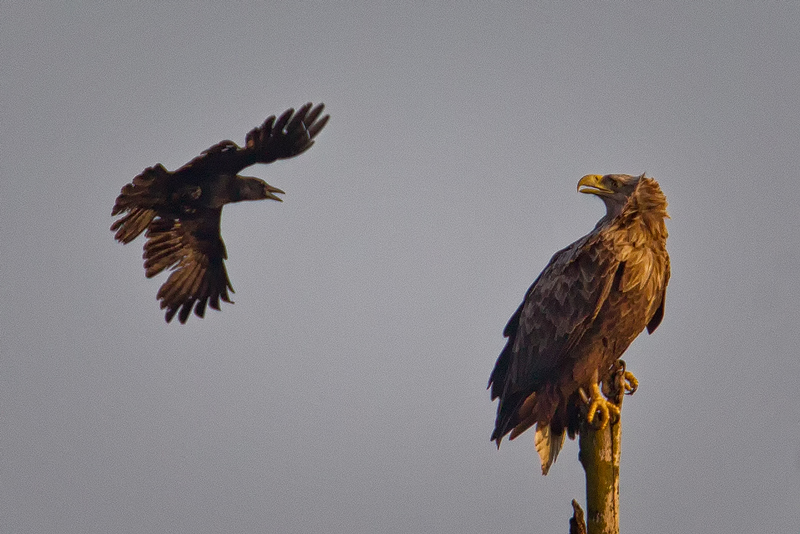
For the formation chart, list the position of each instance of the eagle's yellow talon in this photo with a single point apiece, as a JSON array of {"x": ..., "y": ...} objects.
[
  {"x": 606, "y": 408},
  {"x": 629, "y": 383}
]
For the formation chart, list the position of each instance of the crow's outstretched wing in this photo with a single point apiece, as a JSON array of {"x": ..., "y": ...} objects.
[
  {"x": 194, "y": 248},
  {"x": 283, "y": 137}
]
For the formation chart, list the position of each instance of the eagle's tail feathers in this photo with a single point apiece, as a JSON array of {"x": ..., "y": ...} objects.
[{"x": 548, "y": 445}]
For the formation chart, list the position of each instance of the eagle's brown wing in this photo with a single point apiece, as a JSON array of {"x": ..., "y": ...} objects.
[
  {"x": 554, "y": 315},
  {"x": 283, "y": 137},
  {"x": 658, "y": 315},
  {"x": 193, "y": 247}
]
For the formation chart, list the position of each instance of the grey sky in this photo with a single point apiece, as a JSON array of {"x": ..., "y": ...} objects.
[{"x": 344, "y": 392}]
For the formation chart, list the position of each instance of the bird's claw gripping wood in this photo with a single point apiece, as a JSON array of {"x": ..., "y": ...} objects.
[
  {"x": 598, "y": 403},
  {"x": 621, "y": 382},
  {"x": 629, "y": 383}
]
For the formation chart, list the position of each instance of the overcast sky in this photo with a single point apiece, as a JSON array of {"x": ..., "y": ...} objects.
[{"x": 344, "y": 392}]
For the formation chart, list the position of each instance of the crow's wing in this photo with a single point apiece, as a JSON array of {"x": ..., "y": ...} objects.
[
  {"x": 193, "y": 247},
  {"x": 283, "y": 137}
]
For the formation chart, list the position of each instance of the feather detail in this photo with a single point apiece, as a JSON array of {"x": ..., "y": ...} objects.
[{"x": 548, "y": 445}]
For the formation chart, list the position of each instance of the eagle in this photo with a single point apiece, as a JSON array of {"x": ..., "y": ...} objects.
[
  {"x": 180, "y": 210},
  {"x": 579, "y": 316}
]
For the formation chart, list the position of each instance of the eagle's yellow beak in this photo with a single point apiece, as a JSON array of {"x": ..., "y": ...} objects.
[{"x": 593, "y": 184}]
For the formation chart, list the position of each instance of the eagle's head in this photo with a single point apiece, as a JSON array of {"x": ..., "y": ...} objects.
[
  {"x": 638, "y": 196},
  {"x": 614, "y": 189}
]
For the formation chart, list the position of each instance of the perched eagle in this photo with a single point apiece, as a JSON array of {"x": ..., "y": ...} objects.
[
  {"x": 579, "y": 316},
  {"x": 181, "y": 210}
]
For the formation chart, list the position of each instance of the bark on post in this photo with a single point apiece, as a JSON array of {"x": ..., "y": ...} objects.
[{"x": 599, "y": 455}]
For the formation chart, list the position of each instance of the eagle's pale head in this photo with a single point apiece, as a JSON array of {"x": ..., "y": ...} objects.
[
  {"x": 613, "y": 189},
  {"x": 630, "y": 196}
]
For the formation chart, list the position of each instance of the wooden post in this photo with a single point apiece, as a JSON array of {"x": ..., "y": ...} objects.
[{"x": 599, "y": 454}]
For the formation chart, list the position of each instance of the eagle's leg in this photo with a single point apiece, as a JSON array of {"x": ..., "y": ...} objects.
[{"x": 598, "y": 402}]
